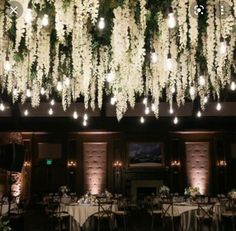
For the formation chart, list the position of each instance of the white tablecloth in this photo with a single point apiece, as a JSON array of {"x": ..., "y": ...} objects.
[
  {"x": 186, "y": 210},
  {"x": 81, "y": 212},
  {"x": 5, "y": 207}
]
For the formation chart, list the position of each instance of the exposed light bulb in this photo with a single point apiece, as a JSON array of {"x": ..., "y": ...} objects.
[
  {"x": 201, "y": 80},
  {"x": 28, "y": 93},
  {"x": 218, "y": 106},
  {"x": 171, "y": 20},
  {"x": 110, "y": 77},
  {"x": 233, "y": 86},
  {"x": 50, "y": 111},
  {"x": 67, "y": 81},
  {"x": 7, "y": 66},
  {"x": 192, "y": 91},
  {"x": 154, "y": 107},
  {"x": 59, "y": 86},
  {"x": 199, "y": 114},
  {"x": 171, "y": 111},
  {"x": 28, "y": 16},
  {"x": 113, "y": 100},
  {"x": 172, "y": 89},
  {"x": 15, "y": 91},
  {"x": 176, "y": 120},
  {"x": 169, "y": 63},
  {"x": 142, "y": 120},
  {"x": 222, "y": 47},
  {"x": 45, "y": 20},
  {"x": 2, "y": 107},
  {"x": 154, "y": 57},
  {"x": 85, "y": 117},
  {"x": 101, "y": 23},
  {"x": 145, "y": 100},
  {"x": 147, "y": 110},
  {"x": 75, "y": 115},
  {"x": 42, "y": 91},
  {"x": 26, "y": 112},
  {"x": 52, "y": 102},
  {"x": 85, "y": 123},
  {"x": 205, "y": 100}
]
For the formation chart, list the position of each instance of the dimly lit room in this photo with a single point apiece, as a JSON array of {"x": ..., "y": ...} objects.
[{"x": 117, "y": 115}]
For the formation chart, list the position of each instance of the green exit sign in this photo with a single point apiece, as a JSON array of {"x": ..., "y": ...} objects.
[{"x": 49, "y": 162}]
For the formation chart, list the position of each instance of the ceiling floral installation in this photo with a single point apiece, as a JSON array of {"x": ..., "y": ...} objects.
[{"x": 86, "y": 49}]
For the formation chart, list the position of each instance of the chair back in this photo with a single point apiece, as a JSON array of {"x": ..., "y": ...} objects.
[
  {"x": 168, "y": 209},
  {"x": 205, "y": 210},
  {"x": 104, "y": 209}
]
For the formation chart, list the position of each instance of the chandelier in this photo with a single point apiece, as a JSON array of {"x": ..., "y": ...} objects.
[{"x": 174, "y": 51}]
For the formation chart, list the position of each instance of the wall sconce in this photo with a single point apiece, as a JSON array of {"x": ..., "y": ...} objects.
[
  {"x": 27, "y": 164},
  {"x": 117, "y": 165},
  {"x": 71, "y": 164},
  {"x": 175, "y": 163},
  {"x": 221, "y": 163}
]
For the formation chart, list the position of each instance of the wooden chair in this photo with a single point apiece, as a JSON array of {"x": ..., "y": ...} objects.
[
  {"x": 122, "y": 211},
  {"x": 59, "y": 219},
  {"x": 228, "y": 216},
  {"x": 170, "y": 216},
  {"x": 205, "y": 215},
  {"x": 104, "y": 214},
  {"x": 154, "y": 209}
]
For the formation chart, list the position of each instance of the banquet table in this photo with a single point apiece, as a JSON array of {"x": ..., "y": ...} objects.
[
  {"x": 187, "y": 211},
  {"x": 5, "y": 207},
  {"x": 81, "y": 212}
]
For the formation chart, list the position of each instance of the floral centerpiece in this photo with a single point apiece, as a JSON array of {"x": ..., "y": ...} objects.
[
  {"x": 4, "y": 224},
  {"x": 191, "y": 191},
  {"x": 232, "y": 194},
  {"x": 88, "y": 198},
  {"x": 108, "y": 194},
  {"x": 64, "y": 190},
  {"x": 164, "y": 190}
]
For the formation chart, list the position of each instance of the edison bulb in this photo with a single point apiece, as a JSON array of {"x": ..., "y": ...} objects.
[
  {"x": 153, "y": 107},
  {"x": 67, "y": 81},
  {"x": 50, "y": 111},
  {"x": 223, "y": 47},
  {"x": 201, "y": 80},
  {"x": 52, "y": 102},
  {"x": 113, "y": 100},
  {"x": 15, "y": 91},
  {"x": 233, "y": 86},
  {"x": 205, "y": 100},
  {"x": 7, "y": 66},
  {"x": 45, "y": 20},
  {"x": 75, "y": 115},
  {"x": 28, "y": 16},
  {"x": 154, "y": 57},
  {"x": 218, "y": 106},
  {"x": 28, "y": 93},
  {"x": 110, "y": 77},
  {"x": 145, "y": 100},
  {"x": 59, "y": 86},
  {"x": 147, "y": 110},
  {"x": 171, "y": 21},
  {"x": 176, "y": 120},
  {"x": 42, "y": 91},
  {"x": 169, "y": 63},
  {"x": 2, "y": 107},
  {"x": 85, "y": 117},
  {"x": 192, "y": 91},
  {"x": 84, "y": 123},
  {"x": 142, "y": 120},
  {"x": 171, "y": 111},
  {"x": 26, "y": 112},
  {"x": 199, "y": 114},
  {"x": 101, "y": 23}
]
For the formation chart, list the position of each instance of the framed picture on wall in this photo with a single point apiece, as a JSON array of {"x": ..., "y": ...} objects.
[{"x": 145, "y": 154}]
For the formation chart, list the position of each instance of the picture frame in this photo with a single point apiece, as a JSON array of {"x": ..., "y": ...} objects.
[{"x": 145, "y": 154}]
